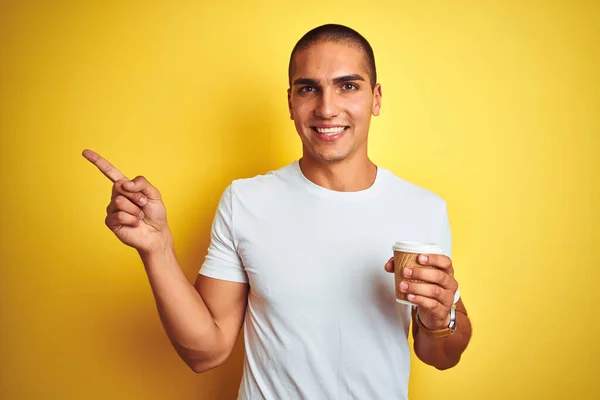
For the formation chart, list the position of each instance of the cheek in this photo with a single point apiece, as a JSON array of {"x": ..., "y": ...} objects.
[
  {"x": 359, "y": 111},
  {"x": 302, "y": 111}
]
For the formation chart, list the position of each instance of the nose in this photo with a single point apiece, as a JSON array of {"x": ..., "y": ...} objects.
[{"x": 327, "y": 106}]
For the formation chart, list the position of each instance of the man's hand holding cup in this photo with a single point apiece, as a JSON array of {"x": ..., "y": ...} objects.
[{"x": 424, "y": 278}]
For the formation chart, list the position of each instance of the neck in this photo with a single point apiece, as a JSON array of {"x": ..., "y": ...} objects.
[{"x": 342, "y": 176}]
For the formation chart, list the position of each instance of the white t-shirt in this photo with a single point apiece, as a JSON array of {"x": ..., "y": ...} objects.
[{"x": 322, "y": 321}]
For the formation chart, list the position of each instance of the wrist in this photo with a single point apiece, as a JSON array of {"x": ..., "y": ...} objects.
[
  {"x": 163, "y": 247},
  {"x": 427, "y": 323},
  {"x": 434, "y": 330}
]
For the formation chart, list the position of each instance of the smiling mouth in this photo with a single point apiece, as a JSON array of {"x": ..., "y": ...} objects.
[{"x": 331, "y": 131}]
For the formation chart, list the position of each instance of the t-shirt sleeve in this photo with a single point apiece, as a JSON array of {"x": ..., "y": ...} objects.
[
  {"x": 445, "y": 241},
  {"x": 222, "y": 260}
]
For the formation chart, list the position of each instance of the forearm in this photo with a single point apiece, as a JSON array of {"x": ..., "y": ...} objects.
[
  {"x": 184, "y": 315},
  {"x": 443, "y": 353}
]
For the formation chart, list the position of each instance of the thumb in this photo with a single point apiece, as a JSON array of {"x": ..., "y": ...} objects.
[
  {"x": 389, "y": 266},
  {"x": 141, "y": 184}
]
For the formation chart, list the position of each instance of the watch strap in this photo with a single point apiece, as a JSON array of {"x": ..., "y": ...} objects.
[{"x": 437, "y": 333}]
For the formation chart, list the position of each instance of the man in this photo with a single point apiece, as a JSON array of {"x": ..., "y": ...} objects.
[{"x": 296, "y": 254}]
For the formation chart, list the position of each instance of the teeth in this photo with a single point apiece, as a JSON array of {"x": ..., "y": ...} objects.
[{"x": 330, "y": 131}]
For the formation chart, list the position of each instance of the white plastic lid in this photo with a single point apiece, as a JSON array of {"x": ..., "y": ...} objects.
[{"x": 417, "y": 247}]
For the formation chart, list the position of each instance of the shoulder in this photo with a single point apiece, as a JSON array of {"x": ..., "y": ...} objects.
[
  {"x": 409, "y": 193},
  {"x": 265, "y": 186}
]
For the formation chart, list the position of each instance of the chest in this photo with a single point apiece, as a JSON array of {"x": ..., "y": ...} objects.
[{"x": 319, "y": 253}]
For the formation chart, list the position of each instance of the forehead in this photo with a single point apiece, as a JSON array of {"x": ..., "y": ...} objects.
[{"x": 329, "y": 60}]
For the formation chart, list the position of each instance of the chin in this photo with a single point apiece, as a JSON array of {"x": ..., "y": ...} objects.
[
  {"x": 327, "y": 153},
  {"x": 332, "y": 157}
]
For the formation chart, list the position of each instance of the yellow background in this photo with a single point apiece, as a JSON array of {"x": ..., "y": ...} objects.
[{"x": 493, "y": 105}]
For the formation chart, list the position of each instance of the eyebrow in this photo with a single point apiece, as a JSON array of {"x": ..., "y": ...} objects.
[{"x": 341, "y": 79}]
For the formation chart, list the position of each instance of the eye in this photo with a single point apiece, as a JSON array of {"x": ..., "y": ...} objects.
[
  {"x": 349, "y": 86},
  {"x": 307, "y": 89}
]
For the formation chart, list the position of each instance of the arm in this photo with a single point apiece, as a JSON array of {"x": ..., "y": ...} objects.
[
  {"x": 445, "y": 352},
  {"x": 434, "y": 297},
  {"x": 433, "y": 292},
  {"x": 203, "y": 320}
]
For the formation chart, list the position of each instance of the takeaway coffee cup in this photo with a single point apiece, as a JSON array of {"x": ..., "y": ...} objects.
[{"x": 405, "y": 255}]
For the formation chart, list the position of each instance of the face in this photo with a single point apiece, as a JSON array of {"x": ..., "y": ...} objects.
[{"x": 331, "y": 101}]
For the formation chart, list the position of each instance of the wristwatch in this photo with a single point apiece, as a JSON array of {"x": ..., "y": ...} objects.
[{"x": 438, "y": 333}]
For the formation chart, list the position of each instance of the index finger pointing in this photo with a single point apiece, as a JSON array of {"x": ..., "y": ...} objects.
[{"x": 104, "y": 166}]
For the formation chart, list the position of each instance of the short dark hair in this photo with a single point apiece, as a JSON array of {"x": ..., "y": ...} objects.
[{"x": 337, "y": 34}]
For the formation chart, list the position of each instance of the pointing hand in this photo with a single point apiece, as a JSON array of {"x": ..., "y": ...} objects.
[{"x": 136, "y": 213}]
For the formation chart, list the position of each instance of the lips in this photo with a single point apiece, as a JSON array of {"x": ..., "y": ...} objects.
[{"x": 330, "y": 133}]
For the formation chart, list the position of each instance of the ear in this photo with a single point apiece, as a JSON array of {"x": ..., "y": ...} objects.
[
  {"x": 289, "y": 95},
  {"x": 376, "y": 109}
]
